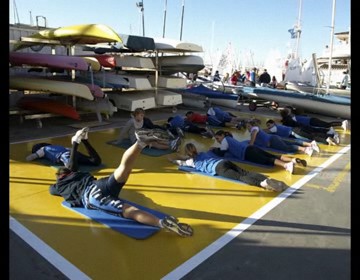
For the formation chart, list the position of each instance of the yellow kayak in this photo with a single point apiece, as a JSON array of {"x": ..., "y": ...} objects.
[{"x": 75, "y": 34}]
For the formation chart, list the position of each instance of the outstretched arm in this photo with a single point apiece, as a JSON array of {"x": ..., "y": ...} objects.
[{"x": 125, "y": 130}]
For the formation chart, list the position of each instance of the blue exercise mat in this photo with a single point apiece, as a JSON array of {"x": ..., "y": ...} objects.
[
  {"x": 231, "y": 158},
  {"x": 82, "y": 167},
  {"x": 125, "y": 226},
  {"x": 146, "y": 151},
  {"x": 194, "y": 171}
]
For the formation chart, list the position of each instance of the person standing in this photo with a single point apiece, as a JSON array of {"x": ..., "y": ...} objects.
[{"x": 264, "y": 78}]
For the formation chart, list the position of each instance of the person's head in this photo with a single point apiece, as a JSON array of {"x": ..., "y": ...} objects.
[
  {"x": 170, "y": 119},
  {"x": 62, "y": 171},
  {"x": 251, "y": 123},
  {"x": 139, "y": 114},
  {"x": 270, "y": 124},
  {"x": 189, "y": 114},
  {"x": 38, "y": 146},
  {"x": 190, "y": 150},
  {"x": 284, "y": 113},
  {"x": 221, "y": 134}
]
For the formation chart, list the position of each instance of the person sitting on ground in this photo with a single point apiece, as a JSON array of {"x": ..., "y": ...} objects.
[
  {"x": 57, "y": 154},
  {"x": 207, "y": 163},
  {"x": 137, "y": 121},
  {"x": 262, "y": 139},
  {"x": 302, "y": 133},
  {"x": 181, "y": 124},
  {"x": 82, "y": 189},
  {"x": 229, "y": 146}
]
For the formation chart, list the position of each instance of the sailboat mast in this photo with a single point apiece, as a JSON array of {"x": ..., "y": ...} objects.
[
  {"x": 298, "y": 31},
  {"x": 331, "y": 46}
]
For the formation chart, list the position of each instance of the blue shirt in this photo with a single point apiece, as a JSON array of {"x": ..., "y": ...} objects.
[
  {"x": 302, "y": 119},
  {"x": 206, "y": 163},
  {"x": 237, "y": 148},
  {"x": 283, "y": 130},
  {"x": 177, "y": 121}
]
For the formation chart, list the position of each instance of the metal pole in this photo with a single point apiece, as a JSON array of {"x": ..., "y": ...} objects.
[
  {"x": 143, "y": 22},
  {"x": 164, "y": 18},
  {"x": 331, "y": 46},
  {"x": 298, "y": 31},
  {"x": 141, "y": 6},
  {"x": 182, "y": 18}
]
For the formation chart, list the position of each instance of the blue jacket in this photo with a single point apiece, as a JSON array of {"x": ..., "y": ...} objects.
[{"x": 206, "y": 163}]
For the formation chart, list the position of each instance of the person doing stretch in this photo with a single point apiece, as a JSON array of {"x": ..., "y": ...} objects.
[
  {"x": 207, "y": 163},
  {"x": 82, "y": 189}
]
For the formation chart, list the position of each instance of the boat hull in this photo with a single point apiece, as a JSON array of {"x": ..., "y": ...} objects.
[
  {"x": 48, "y": 60},
  {"x": 85, "y": 91},
  {"x": 49, "y": 106},
  {"x": 327, "y": 104}
]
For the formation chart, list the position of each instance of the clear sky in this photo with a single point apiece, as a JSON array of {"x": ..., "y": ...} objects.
[{"x": 251, "y": 26}]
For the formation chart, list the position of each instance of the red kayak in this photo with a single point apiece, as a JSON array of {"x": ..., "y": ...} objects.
[
  {"x": 48, "y": 106},
  {"x": 105, "y": 60}
]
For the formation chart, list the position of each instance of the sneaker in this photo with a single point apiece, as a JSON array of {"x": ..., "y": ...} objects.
[
  {"x": 172, "y": 136},
  {"x": 345, "y": 125},
  {"x": 303, "y": 162},
  {"x": 241, "y": 124},
  {"x": 289, "y": 166},
  {"x": 331, "y": 131},
  {"x": 180, "y": 132},
  {"x": 175, "y": 144},
  {"x": 172, "y": 224},
  {"x": 79, "y": 135},
  {"x": 331, "y": 141},
  {"x": 275, "y": 185},
  {"x": 210, "y": 131},
  {"x": 337, "y": 139},
  {"x": 309, "y": 151},
  {"x": 315, "y": 146}
]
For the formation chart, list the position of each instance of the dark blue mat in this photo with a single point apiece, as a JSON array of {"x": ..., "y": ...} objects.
[
  {"x": 84, "y": 168},
  {"x": 146, "y": 151},
  {"x": 194, "y": 171},
  {"x": 128, "y": 227}
]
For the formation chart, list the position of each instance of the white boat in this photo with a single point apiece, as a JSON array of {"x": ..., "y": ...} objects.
[
  {"x": 171, "y": 64},
  {"x": 123, "y": 80},
  {"x": 134, "y": 61},
  {"x": 172, "y": 45},
  {"x": 168, "y": 81}
]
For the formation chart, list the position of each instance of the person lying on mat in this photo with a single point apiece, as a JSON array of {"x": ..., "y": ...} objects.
[
  {"x": 182, "y": 124},
  {"x": 302, "y": 133},
  {"x": 260, "y": 138},
  {"x": 214, "y": 116},
  {"x": 58, "y": 154},
  {"x": 82, "y": 189},
  {"x": 243, "y": 151},
  {"x": 207, "y": 163},
  {"x": 138, "y": 121},
  {"x": 289, "y": 118}
]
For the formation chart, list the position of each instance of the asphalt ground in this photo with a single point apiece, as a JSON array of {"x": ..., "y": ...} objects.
[{"x": 306, "y": 236}]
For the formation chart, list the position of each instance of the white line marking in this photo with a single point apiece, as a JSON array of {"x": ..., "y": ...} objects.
[
  {"x": 68, "y": 269},
  {"x": 196, "y": 260}
]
